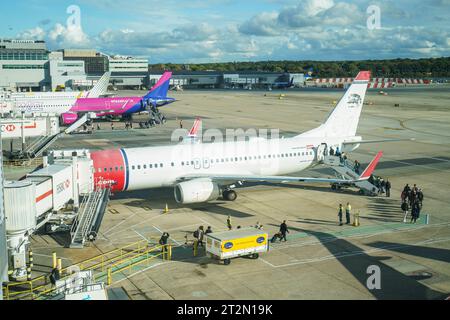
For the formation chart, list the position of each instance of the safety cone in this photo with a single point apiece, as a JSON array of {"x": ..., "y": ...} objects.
[{"x": 166, "y": 209}]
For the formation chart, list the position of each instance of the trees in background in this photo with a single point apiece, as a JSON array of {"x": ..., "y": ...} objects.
[{"x": 407, "y": 68}]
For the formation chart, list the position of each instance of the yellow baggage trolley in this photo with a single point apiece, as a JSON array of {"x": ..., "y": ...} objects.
[{"x": 226, "y": 245}]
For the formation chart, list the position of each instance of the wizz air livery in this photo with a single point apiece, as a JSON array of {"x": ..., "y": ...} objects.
[
  {"x": 202, "y": 172},
  {"x": 71, "y": 109}
]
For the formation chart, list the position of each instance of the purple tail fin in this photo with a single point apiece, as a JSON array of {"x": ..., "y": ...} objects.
[{"x": 160, "y": 89}]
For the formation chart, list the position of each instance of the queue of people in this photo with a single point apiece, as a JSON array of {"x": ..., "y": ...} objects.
[{"x": 412, "y": 202}]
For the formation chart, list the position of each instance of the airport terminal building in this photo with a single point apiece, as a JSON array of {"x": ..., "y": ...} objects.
[{"x": 27, "y": 65}]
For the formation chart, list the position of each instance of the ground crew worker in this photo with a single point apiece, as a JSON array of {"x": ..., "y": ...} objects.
[
  {"x": 163, "y": 241},
  {"x": 181, "y": 124},
  {"x": 340, "y": 214},
  {"x": 54, "y": 276},
  {"x": 208, "y": 230},
  {"x": 98, "y": 126},
  {"x": 201, "y": 234},
  {"x": 229, "y": 223},
  {"x": 112, "y": 126},
  {"x": 348, "y": 209},
  {"x": 283, "y": 230},
  {"x": 388, "y": 188}
]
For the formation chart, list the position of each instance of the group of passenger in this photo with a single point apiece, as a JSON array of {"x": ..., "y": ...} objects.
[
  {"x": 412, "y": 201},
  {"x": 383, "y": 186}
]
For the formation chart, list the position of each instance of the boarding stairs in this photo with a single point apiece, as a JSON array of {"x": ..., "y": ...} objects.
[
  {"x": 345, "y": 169},
  {"x": 41, "y": 144},
  {"x": 89, "y": 218}
]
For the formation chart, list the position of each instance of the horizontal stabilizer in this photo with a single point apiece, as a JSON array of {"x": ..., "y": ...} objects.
[
  {"x": 375, "y": 141},
  {"x": 371, "y": 167}
]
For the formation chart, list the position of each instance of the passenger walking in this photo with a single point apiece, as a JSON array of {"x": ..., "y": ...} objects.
[
  {"x": 54, "y": 276},
  {"x": 181, "y": 124},
  {"x": 356, "y": 166},
  {"x": 112, "y": 126},
  {"x": 338, "y": 152},
  {"x": 340, "y": 214},
  {"x": 420, "y": 197},
  {"x": 348, "y": 210},
  {"x": 415, "y": 212},
  {"x": 98, "y": 126},
  {"x": 405, "y": 209},
  {"x": 283, "y": 230},
  {"x": 331, "y": 151},
  {"x": 229, "y": 223},
  {"x": 388, "y": 188}
]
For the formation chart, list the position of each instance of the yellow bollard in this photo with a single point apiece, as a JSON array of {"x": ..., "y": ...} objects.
[
  {"x": 109, "y": 278},
  {"x": 166, "y": 209},
  {"x": 170, "y": 252},
  {"x": 54, "y": 260},
  {"x": 195, "y": 247},
  {"x": 28, "y": 274},
  {"x": 356, "y": 220},
  {"x": 60, "y": 264},
  {"x": 30, "y": 258}
]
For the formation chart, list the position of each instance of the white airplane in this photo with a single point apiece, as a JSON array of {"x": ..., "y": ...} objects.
[
  {"x": 98, "y": 90},
  {"x": 50, "y": 102},
  {"x": 201, "y": 172}
]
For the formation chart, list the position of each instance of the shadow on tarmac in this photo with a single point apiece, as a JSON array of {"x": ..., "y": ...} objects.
[{"x": 394, "y": 284}]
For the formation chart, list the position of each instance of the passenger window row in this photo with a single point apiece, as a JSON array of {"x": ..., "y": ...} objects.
[{"x": 222, "y": 160}]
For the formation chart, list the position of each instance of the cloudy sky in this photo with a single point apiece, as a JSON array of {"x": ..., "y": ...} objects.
[{"x": 227, "y": 30}]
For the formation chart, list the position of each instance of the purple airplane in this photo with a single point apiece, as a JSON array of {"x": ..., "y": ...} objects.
[{"x": 121, "y": 106}]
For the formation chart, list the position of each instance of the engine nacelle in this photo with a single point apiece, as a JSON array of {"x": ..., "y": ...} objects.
[
  {"x": 195, "y": 191},
  {"x": 69, "y": 118}
]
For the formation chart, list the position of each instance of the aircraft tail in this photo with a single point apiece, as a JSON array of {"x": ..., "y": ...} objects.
[
  {"x": 100, "y": 87},
  {"x": 159, "y": 90},
  {"x": 343, "y": 120}
]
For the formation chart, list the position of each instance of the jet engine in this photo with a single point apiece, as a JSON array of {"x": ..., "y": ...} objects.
[
  {"x": 195, "y": 191},
  {"x": 69, "y": 118}
]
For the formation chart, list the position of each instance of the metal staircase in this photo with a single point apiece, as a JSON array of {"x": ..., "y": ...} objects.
[
  {"x": 344, "y": 169},
  {"x": 87, "y": 223},
  {"x": 43, "y": 143}
]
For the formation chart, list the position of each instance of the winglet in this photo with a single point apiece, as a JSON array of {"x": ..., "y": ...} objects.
[
  {"x": 194, "y": 130},
  {"x": 363, "y": 76},
  {"x": 371, "y": 167}
]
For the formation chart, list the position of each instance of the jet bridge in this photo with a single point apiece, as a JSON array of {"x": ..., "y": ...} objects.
[{"x": 59, "y": 197}]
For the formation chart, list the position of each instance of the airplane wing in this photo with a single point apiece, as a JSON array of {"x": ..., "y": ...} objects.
[{"x": 226, "y": 179}]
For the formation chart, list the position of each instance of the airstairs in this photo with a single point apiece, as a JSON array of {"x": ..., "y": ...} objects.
[
  {"x": 345, "y": 169},
  {"x": 87, "y": 223}
]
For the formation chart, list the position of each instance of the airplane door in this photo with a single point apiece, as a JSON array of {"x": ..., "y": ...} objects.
[
  {"x": 321, "y": 152},
  {"x": 197, "y": 163},
  {"x": 206, "y": 163}
]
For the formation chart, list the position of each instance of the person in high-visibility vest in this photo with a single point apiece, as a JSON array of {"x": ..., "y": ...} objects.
[{"x": 348, "y": 210}]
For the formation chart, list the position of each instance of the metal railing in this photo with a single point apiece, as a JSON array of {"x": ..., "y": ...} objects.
[{"x": 111, "y": 262}]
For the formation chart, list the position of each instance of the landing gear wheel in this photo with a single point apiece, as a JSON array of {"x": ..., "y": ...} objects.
[
  {"x": 255, "y": 256},
  {"x": 226, "y": 261},
  {"x": 92, "y": 236},
  {"x": 229, "y": 195}
]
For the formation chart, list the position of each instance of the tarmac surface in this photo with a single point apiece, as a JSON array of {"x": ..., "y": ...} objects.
[{"x": 320, "y": 260}]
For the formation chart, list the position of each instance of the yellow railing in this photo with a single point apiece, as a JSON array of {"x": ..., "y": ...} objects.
[
  {"x": 40, "y": 286},
  {"x": 165, "y": 251}
]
